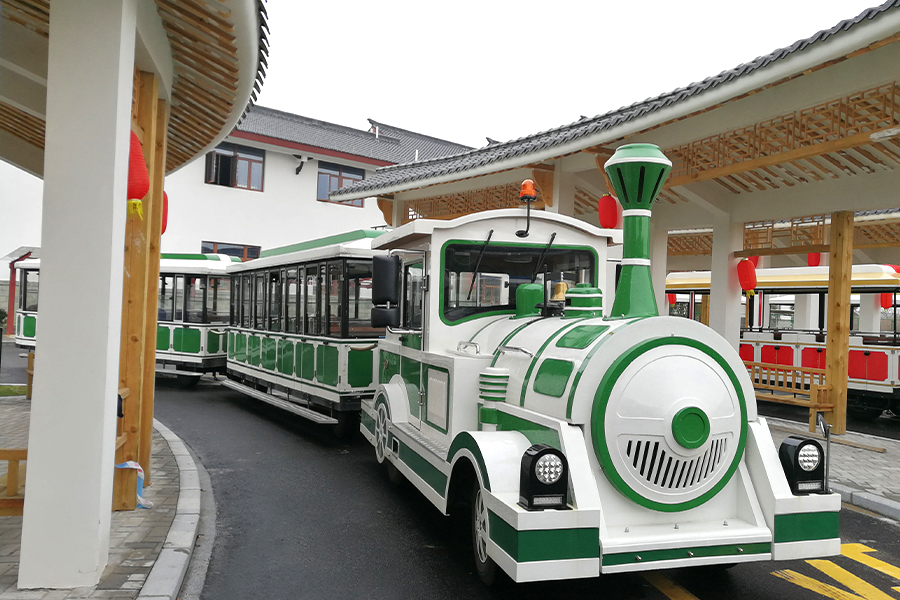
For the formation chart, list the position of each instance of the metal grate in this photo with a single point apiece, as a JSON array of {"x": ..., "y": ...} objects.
[{"x": 650, "y": 461}]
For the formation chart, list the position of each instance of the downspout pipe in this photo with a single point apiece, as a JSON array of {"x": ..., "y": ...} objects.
[{"x": 637, "y": 173}]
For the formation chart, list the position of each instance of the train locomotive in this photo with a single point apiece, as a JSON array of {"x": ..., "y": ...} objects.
[{"x": 575, "y": 444}]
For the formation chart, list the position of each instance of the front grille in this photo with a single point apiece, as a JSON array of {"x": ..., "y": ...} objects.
[{"x": 649, "y": 460}]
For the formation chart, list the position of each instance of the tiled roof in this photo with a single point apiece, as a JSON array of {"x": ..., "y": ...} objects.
[
  {"x": 399, "y": 176},
  {"x": 391, "y": 145}
]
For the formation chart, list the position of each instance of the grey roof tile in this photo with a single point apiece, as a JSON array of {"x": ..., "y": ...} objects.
[{"x": 406, "y": 173}]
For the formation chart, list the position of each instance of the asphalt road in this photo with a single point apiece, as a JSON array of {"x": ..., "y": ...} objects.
[
  {"x": 303, "y": 515},
  {"x": 12, "y": 366}
]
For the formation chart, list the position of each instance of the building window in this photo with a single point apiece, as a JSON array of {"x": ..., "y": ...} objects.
[
  {"x": 333, "y": 177},
  {"x": 236, "y": 166},
  {"x": 242, "y": 251}
]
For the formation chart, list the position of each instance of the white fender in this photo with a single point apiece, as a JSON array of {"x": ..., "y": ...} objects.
[{"x": 395, "y": 393}]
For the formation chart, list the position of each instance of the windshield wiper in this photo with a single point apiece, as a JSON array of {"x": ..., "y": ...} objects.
[
  {"x": 541, "y": 260},
  {"x": 478, "y": 263}
]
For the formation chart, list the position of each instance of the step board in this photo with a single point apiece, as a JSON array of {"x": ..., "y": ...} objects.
[{"x": 282, "y": 404}]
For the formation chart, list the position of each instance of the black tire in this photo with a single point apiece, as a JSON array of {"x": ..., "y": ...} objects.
[
  {"x": 484, "y": 564},
  {"x": 394, "y": 474},
  {"x": 347, "y": 425},
  {"x": 187, "y": 381}
]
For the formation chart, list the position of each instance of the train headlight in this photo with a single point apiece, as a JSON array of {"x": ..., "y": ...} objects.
[
  {"x": 803, "y": 462},
  {"x": 543, "y": 479}
]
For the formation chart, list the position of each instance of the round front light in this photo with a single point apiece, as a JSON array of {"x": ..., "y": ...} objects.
[
  {"x": 548, "y": 469},
  {"x": 808, "y": 457}
]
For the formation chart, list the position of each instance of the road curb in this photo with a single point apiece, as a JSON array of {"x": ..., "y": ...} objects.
[
  {"x": 869, "y": 501},
  {"x": 167, "y": 574}
]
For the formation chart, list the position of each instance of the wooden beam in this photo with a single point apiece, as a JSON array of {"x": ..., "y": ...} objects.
[
  {"x": 157, "y": 175},
  {"x": 783, "y": 251},
  {"x": 600, "y": 161},
  {"x": 544, "y": 181},
  {"x": 837, "y": 344},
  {"x": 387, "y": 210}
]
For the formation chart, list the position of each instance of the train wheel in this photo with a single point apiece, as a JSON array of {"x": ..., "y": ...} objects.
[
  {"x": 381, "y": 432},
  {"x": 346, "y": 426},
  {"x": 484, "y": 564},
  {"x": 187, "y": 381}
]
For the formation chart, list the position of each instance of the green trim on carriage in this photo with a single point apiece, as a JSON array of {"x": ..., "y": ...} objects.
[
  {"x": 537, "y": 356},
  {"x": 465, "y": 441},
  {"x": 367, "y": 421},
  {"x": 340, "y": 238},
  {"x": 799, "y": 527},
  {"x": 29, "y": 326},
  {"x": 495, "y": 313},
  {"x": 430, "y": 474},
  {"x": 411, "y": 340},
  {"x": 162, "y": 337},
  {"x": 544, "y": 544},
  {"x": 199, "y": 257},
  {"x": 230, "y": 352},
  {"x": 268, "y": 353},
  {"x": 411, "y": 373},
  {"x": 343, "y": 394},
  {"x": 253, "y": 343},
  {"x": 286, "y": 357},
  {"x": 598, "y": 429},
  {"x": 186, "y": 339},
  {"x": 581, "y": 337},
  {"x": 485, "y": 326},
  {"x": 536, "y": 434},
  {"x": 510, "y": 336},
  {"x": 628, "y": 558},
  {"x": 240, "y": 347},
  {"x": 212, "y": 341},
  {"x": 327, "y": 365},
  {"x": 488, "y": 416},
  {"x": 359, "y": 368},
  {"x": 553, "y": 376},
  {"x": 306, "y": 361},
  {"x": 389, "y": 366}
]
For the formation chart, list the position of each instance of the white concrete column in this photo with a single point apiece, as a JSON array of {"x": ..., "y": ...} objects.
[
  {"x": 563, "y": 193},
  {"x": 870, "y": 312},
  {"x": 659, "y": 253},
  {"x": 725, "y": 289},
  {"x": 71, "y": 446},
  {"x": 806, "y": 311}
]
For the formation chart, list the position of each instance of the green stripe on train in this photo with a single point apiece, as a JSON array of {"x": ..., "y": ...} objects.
[{"x": 544, "y": 544}]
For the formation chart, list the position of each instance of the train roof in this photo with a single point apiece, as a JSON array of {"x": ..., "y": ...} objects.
[
  {"x": 877, "y": 277},
  {"x": 350, "y": 244},
  {"x": 414, "y": 231},
  {"x": 170, "y": 263}
]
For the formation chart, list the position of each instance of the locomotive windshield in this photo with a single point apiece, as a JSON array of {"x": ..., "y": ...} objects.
[{"x": 473, "y": 287}]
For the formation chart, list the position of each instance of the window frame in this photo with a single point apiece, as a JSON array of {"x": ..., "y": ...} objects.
[
  {"x": 345, "y": 175},
  {"x": 236, "y": 155}
]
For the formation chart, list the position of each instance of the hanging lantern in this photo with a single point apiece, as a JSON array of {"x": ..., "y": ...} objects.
[
  {"x": 746, "y": 272},
  {"x": 138, "y": 177},
  {"x": 609, "y": 211},
  {"x": 754, "y": 260},
  {"x": 165, "y": 213},
  {"x": 671, "y": 298},
  {"x": 813, "y": 259},
  {"x": 887, "y": 300}
]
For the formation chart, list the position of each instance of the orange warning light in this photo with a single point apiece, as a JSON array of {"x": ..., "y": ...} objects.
[{"x": 527, "y": 190}]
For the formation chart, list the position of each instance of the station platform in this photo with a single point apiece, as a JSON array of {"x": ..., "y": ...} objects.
[{"x": 150, "y": 549}]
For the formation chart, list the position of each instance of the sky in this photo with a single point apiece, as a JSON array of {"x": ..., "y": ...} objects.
[{"x": 470, "y": 69}]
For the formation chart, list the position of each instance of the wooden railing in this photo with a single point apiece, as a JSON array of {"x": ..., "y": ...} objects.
[
  {"x": 12, "y": 485},
  {"x": 799, "y": 386}
]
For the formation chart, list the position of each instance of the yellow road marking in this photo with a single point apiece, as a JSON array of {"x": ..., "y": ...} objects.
[
  {"x": 864, "y": 589},
  {"x": 857, "y": 552},
  {"x": 668, "y": 587}
]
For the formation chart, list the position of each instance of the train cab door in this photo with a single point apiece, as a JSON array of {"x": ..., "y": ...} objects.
[{"x": 412, "y": 340}]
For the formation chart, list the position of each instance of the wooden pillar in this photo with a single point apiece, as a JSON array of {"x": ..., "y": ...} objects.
[
  {"x": 134, "y": 301},
  {"x": 837, "y": 344},
  {"x": 157, "y": 177},
  {"x": 704, "y": 309}
]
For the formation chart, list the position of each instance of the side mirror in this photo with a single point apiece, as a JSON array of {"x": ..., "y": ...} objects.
[
  {"x": 385, "y": 280},
  {"x": 385, "y": 317}
]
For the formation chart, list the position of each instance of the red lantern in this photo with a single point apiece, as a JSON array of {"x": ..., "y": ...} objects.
[
  {"x": 813, "y": 259},
  {"x": 671, "y": 298},
  {"x": 165, "y": 213},
  {"x": 609, "y": 211},
  {"x": 887, "y": 300},
  {"x": 754, "y": 260},
  {"x": 746, "y": 275},
  {"x": 138, "y": 178}
]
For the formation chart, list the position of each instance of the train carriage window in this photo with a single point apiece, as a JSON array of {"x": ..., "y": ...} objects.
[
  {"x": 359, "y": 300},
  {"x": 414, "y": 295},
  {"x": 290, "y": 301},
  {"x": 179, "y": 298},
  {"x": 333, "y": 316},
  {"x": 218, "y": 299},
  {"x": 259, "y": 308},
  {"x": 234, "y": 315},
  {"x": 481, "y": 279},
  {"x": 28, "y": 300},
  {"x": 246, "y": 301},
  {"x": 312, "y": 312},
  {"x": 166, "y": 301},
  {"x": 194, "y": 291},
  {"x": 274, "y": 295}
]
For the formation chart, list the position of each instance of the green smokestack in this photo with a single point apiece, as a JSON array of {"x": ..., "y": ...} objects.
[{"x": 637, "y": 173}]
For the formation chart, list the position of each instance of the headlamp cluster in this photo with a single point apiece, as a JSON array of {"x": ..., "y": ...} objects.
[
  {"x": 803, "y": 462},
  {"x": 544, "y": 478}
]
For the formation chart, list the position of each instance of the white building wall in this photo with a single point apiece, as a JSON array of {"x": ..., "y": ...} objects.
[{"x": 285, "y": 212}]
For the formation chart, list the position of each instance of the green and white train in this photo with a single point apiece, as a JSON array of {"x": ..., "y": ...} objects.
[
  {"x": 576, "y": 444},
  {"x": 193, "y": 312}
]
